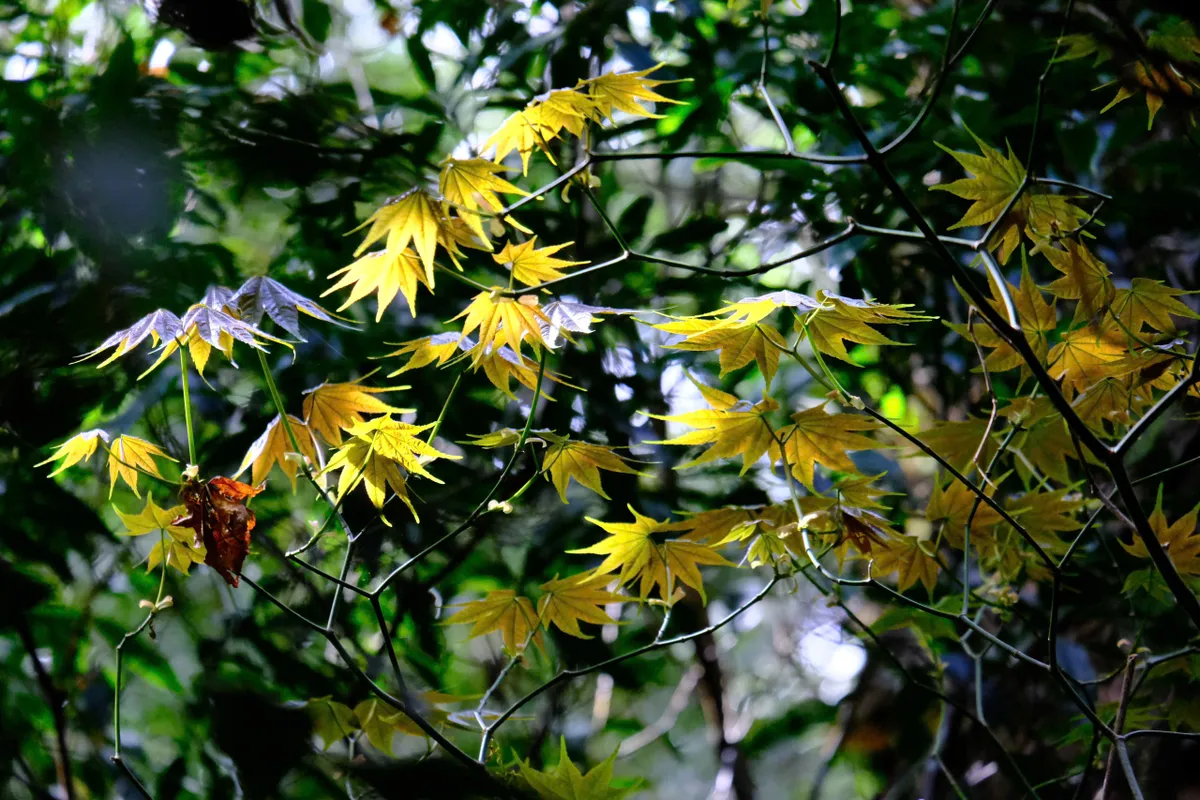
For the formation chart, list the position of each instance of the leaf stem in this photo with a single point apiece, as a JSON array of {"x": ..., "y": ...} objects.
[{"x": 187, "y": 407}]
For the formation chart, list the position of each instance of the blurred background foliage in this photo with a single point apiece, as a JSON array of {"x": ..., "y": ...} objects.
[{"x": 146, "y": 157}]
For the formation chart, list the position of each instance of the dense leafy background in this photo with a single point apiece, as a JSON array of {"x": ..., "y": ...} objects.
[{"x": 129, "y": 185}]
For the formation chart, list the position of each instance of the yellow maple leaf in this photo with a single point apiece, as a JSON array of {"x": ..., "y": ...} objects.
[
  {"x": 1158, "y": 82},
  {"x": 1046, "y": 514},
  {"x": 631, "y": 549},
  {"x": 1037, "y": 317},
  {"x": 951, "y": 504},
  {"x": 502, "y": 321},
  {"x": 333, "y": 407},
  {"x": 816, "y": 437},
  {"x": 739, "y": 343},
  {"x": 437, "y": 349},
  {"x": 958, "y": 441},
  {"x": 730, "y": 430},
  {"x": 374, "y": 455},
  {"x": 1086, "y": 355},
  {"x": 1044, "y": 439},
  {"x": 838, "y": 320},
  {"x": 501, "y": 365},
  {"x": 386, "y": 273},
  {"x": 582, "y": 461},
  {"x": 1179, "y": 539},
  {"x": 412, "y": 218},
  {"x": 129, "y": 454},
  {"x": 1150, "y": 304},
  {"x": 274, "y": 447},
  {"x": 1085, "y": 278},
  {"x": 505, "y": 611},
  {"x": 179, "y": 547},
  {"x": 79, "y": 447},
  {"x": 625, "y": 91},
  {"x": 541, "y": 121},
  {"x": 905, "y": 557},
  {"x": 996, "y": 177},
  {"x": 580, "y": 598},
  {"x": 534, "y": 266},
  {"x": 471, "y": 184}
]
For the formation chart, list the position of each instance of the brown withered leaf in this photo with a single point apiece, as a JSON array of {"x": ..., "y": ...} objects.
[{"x": 217, "y": 512}]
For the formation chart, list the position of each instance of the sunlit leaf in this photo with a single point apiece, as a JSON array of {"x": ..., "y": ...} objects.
[
  {"x": 626, "y": 91},
  {"x": 580, "y": 598},
  {"x": 275, "y": 447},
  {"x": 817, "y": 437},
  {"x": 505, "y": 611},
  {"x": 533, "y": 265},
  {"x": 262, "y": 295},
  {"x": 581, "y": 461},
  {"x": 79, "y": 447},
  {"x": 566, "y": 782},
  {"x": 129, "y": 454},
  {"x": 472, "y": 184},
  {"x": 333, "y": 407}
]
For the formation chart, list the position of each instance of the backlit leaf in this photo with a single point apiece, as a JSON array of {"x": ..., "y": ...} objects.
[
  {"x": 129, "y": 454},
  {"x": 533, "y": 265},
  {"x": 386, "y": 273},
  {"x": 275, "y": 447},
  {"x": 472, "y": 184},
  {"x": 626, "y": 91},
  {"x": 580, "y": 598},
  {"x": 504, "y": 611},
  {"x": 581, "y": 461},
  {"x": 333, "y": 407},
  {"x": 817, "y": 437}
]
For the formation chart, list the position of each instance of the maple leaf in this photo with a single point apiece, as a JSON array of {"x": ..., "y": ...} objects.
[
  {"x": 838, "y": 320},
  {"x": 1150, "y": 304},
  {"x": 626, "y": 91},
  {"x": 360, "y": 463},
  {"x": 505, "y": 611},
  {"x": 375, "y": 720},
  {"x": 818, "y": 437},
  {"x": 739, "y": 343},
  {"x": 1177, "y": 38},
  {"x": 758, "y": 308},
  {"x": 581, "y": 461},
  {"x": 951, "y": 505},
  {"x": 996, "y": 178},
  {"x": 566, "y": 782},
  {"x": 1082, "y": 45},
  {"x": 1157, "y": 81},
  {"x": 129, "y": 454},
  {"x": 385, "y": 273},
  {"x": 332, "y": 721},
  {"x": 1046, "y": 514},
  {"x": 502, "y": 364},
  {"x": 1106, "y": 405},
  {"x": 631, "y": 549},
  {"x": 333, "y": 407},
  {"x": 1044, "y": 440},
  {"x": 216, "y": 512},
  {"x": 711, "y": 526},
  {"x": 158, "y": 326},
  {"x": 957, "y": 442},
  {"x": 427, "y": 350},
  {"x": 1179, "y": 539},
  {"x": 262, "y": 295},
  {"x": 731, "y": 427},
  {"x": 275, "y": 447},
  {"x": 177, "y": 546},
  {"x": 1086, "y": 355},
  {"x": 471, "y": 184},
  {"x": 905, "y": 557},
  {"x": 413, "y": 217},
  {"x": 566, "y": 316},
  {"x": 534, "y": 266},
  {"x": 79, "y": 447},
  {"x": 541, "y": 121},
  {"x": 580, "y": 598},
  {"x": 1037, "y": 317},
  {"x": 502, "y": 321},
  {"x": 769, "y": 543},
  {"x": 1085, "y": 278},
  {"x": 374, "y": 455}
]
